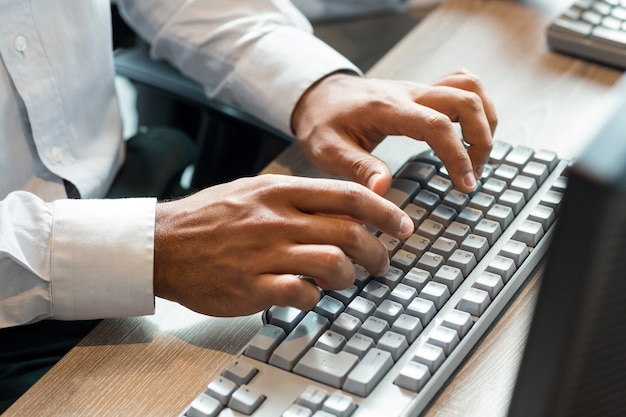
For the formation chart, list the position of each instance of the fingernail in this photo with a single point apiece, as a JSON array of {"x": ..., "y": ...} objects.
[
  {"x": 385, "y": 268},
  {"x": 406, "y": 226},
  {"x": 479, "y": 170},
  {"x": 469, "y": 180}
]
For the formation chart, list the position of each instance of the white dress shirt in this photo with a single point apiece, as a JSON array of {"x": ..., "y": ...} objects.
[{"x": 73, "y": 259}]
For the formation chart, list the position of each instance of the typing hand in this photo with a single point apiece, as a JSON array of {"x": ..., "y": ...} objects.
[
  {"x": 342, "y": 118},
  {"x": 238, "y": 248}
]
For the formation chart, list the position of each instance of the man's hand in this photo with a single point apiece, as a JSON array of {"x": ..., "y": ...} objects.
[
  {"x": 238, "y": 248},
  {"x": 342, "y": 118}
]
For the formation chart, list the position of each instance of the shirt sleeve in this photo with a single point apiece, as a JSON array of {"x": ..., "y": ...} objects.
[
  {"x": 257, "y": 55},
  {"x": 75, "y": 259}
]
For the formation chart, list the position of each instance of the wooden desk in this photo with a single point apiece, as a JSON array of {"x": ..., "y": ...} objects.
[{"x": 157, "y": 365}]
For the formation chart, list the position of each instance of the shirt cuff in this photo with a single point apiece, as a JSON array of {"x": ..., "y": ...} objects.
[
  {"x": 303, "y": 60},
  {"x": 102, "y": 258}
]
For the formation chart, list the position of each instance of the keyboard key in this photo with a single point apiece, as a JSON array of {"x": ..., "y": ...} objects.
[
  {"x": 346, "y": 325},
  {"x": 284, "y": 317},
  {"x": 529, "y": 232},
  {"x": 518, "y": 251},
  {"x": 331, "y": 341},
  {"x": 402, "y": 191},
  {"x": 543, "y": 215},
  {"x": 444, "y": 247},
  {"x": 499, "y": 151},
  {"x": 329, "y": 307},
  {"x": 403, "y": 260},
  {"x": 482, "y": 201},
  {"x": 413, "y": 376},
  {"x": 374, "y": 328},
  {"x": 408, "y": 326},
  {"x": 525, "y": 185},
  {"x": 403, "y": 294},
  {"x": 519, "y": 156},
  {"x": 361, "y": 308},
  {"x": 376, "y": 291},
  {"x": 245, "y": 400},
  {"x": 264, "y": 342},
  {"x": 538, "y": 171},
  {"x": 426, "y": 199},
  {"x": 326, "y": 367},
  {"x": 240, "y": 372},
  {"x": 464, "y": 260},
  {"x": 221, "y": 389},
  {"x": 506, "y": 173},
  {"x": 416, "y": 278},
  {"x": 439, "y": 185},
  {"x": 423, "y": 309},
  {"x": 494, "y": 187},
  {"x": 204, "y": 406},
  {"x": 369, "y": 371},
  {"x": 548, "y": 158},
  {"x": 394, "y": 343},
  {"x": 416, "y": 213},
  {"x": 450, "y": 277},
  {"x": 391, "y": 243},
  {"x": 430, "y": 262},
  {"x": 431, "y": 229},
  {"x": 436, "y": 292},
  {"x": 443, "y": 214},
  {"x": 392, "y": 277},
  {"x": 346, "y": 295},
  {"x": 430, "y": 355},
  {"x": 502, "y": 266},
  {"x": 444, "y": 337},
  {"x": 312, "y": 398},
  {"x": 339, "y": 405},
  {"x": 456, "y": 200},
  {"x": 501, "y": 214},
  {"x": 297, "y": 410},
  {"x": 359, "y": 345},
  {"x": 389, "y": 311},
  {"x": 417, "y": 171},
  {"x": 478, "y": 245},
  {"x": 475, "y": 301},
  {"x": 513, "y": 199},
  {"x": 299, "y": 341},
  {"x": 488, "y": 229},
  {"x": 417, "y": 244},
  {"x": 461, "y": 321},
  {"x": 489, "y": 282},
  {"x": 457, "y": 232},
  {"x": 470, "y": 216},
  {"x": 553, "y": 200}
]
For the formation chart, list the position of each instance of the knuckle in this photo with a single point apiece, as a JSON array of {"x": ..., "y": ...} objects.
[
  {"x": 473, "y": 102},
  {"x": 439, "y": 123},
  {"x": 333, "y": 259}
]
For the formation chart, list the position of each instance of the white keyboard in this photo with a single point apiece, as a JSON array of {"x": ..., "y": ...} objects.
[
  {"x": 387, "y": 345},
  {"x": 592, "y": 29}
]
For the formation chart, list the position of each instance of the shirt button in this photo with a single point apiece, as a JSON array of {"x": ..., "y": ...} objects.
[
  {"x": 20, "y": 43},
  {"x": 57, "y": 154}
]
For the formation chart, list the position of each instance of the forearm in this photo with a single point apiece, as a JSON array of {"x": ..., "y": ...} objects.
[{"x": 256, "y": 55}]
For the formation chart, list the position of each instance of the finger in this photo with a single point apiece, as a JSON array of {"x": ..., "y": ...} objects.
[
  {"x": 466, "y": 108},
  {"x": 348, "y": 198},
  {"x": 465, "y": 80},
  {"x": 358, "y": 243},
  {"x": 478, "y": 150},
  {"x": 285, "y": 290},
  {"x": 425, "y": 123},
  {"x": 331, "y": 268},
  {"x": 344, "y": 157}
]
